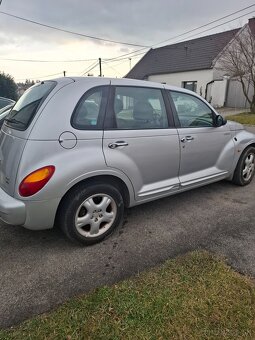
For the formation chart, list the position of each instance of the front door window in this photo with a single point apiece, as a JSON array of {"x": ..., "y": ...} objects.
[{"x": 192, "y": 111}]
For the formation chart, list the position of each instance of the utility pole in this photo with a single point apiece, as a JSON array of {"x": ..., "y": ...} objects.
[
  {"x": 64, "y": 73},
  {"x": 100, "y": 67}
]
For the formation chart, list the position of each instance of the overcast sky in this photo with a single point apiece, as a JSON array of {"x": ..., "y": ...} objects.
[{"x": 144, "y": 22}]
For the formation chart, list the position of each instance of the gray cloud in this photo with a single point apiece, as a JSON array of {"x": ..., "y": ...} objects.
[
  {"x": 143, "y": 22},
  {"x": 136, "y": 21}
]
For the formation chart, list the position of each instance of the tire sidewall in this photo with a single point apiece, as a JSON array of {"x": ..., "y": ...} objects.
[
  {"x": 240, "y": 178},
  {"x": 73, "y": 203}
]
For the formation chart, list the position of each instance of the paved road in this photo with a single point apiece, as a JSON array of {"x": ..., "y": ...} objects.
[{"x": 41, "y": 269}]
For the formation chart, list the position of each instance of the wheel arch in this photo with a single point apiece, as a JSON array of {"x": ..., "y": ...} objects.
[
  {"x": 252, "y": 144},
  {"x": 244, "y": 149},
  {"x": 99, "y": 179}
]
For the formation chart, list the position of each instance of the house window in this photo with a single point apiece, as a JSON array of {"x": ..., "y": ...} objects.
[{"x": 190, "y": 85}]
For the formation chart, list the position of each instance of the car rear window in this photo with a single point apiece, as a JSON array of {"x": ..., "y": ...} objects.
[{"x": 26, "y": 107}]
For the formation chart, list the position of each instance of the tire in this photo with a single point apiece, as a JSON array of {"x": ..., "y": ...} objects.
[
  {"x": 245, "y": 168},
  {"x": 91, "y": 213}
]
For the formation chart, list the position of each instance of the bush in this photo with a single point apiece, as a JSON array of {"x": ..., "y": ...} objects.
[{"x": 8, "y": 87}]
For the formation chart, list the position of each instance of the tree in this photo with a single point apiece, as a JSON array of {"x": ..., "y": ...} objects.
[
  {"x": 8, "y": 87},
  {"x": 237, "y": 60}
]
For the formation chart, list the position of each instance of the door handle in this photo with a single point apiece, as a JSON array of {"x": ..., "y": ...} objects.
[
  {"x": 189, "y": 138},
  {"x": 117, "y": 144}
]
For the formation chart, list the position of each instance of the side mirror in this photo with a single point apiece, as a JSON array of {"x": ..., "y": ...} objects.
[{"x": 219, "y": 121}]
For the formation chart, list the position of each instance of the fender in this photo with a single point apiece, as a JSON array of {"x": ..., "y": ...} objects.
[
  {"x": 106, "y": 172},
  {"x": 242, "y": 140}
]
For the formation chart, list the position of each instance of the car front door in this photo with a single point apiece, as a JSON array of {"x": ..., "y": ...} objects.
[
  {"x": 141, "y": 141},
  {"x": 207, "y": 151}
]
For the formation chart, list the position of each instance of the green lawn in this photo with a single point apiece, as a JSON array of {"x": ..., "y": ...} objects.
[
  {"x": 243, "y": 118},
  {"x": 195, "y": 296}
]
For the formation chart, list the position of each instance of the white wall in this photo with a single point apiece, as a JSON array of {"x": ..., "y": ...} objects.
[
  {"x": 218, "y": 92},
  {"x": 202, "y": 77}
]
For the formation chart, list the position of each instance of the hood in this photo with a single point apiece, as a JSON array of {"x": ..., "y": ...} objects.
[{"x": 234, "y": 126}]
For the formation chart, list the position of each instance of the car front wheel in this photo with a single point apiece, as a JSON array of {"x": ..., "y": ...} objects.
[
  {"x": 91, "y": 213},
  {"x": 245, "y": 168}
]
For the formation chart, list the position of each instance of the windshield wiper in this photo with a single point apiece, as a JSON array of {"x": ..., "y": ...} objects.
[{"x": 15, "y": 121}]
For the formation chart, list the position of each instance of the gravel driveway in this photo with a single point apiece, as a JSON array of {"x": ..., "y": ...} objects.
[{"x": 40, "y": 270}]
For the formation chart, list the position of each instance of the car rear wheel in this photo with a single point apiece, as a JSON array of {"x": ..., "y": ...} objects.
[
  {"x": 91, "y": 213},
  {"x": 245, "y": 168}
]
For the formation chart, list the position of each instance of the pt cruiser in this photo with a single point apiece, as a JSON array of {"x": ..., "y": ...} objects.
[{"x": 75, "y": 152}]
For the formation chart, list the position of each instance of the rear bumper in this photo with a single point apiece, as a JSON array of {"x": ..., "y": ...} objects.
[
  {"x": 12, "y": 211},
  {"x": 34, "y": 215}
]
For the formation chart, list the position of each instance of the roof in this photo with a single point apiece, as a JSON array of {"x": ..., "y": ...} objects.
[
  {"x": 196, "y": 54},
  {"x": 100, "y": 81}
]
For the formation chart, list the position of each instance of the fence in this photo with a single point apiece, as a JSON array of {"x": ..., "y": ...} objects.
[
  {"x": 235, "y": 96},
  {"x": 228, "y": 93}
]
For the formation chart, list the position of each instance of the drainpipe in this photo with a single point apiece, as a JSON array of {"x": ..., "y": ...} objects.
[
  {"x": 206, "y": 88},
  {"x": 226, "y": 90}
]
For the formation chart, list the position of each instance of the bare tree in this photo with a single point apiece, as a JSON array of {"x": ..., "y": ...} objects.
[{"x": 237, "y": 60}]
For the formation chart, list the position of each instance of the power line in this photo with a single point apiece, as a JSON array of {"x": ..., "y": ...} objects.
[
  {"x": 135, "y": 53},
  {"x": 48, "y": 61},
  {"x": 114, "y": 69},
  {"x": 127, "y": 54},
  {"x": 70, "y": 32},
  {"x": 130, "y": 53},
  {"x": 124, "y": 58},
  {"x": 123, "y": 61},
  {"x": 90, "y": 68},
  {"x": 192, "y": 30},
  {"x": 193, "y": 35},
  {"x": 210, "y": 23}
]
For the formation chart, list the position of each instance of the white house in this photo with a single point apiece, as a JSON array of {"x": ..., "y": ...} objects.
[{"x": 191, "y": 64}]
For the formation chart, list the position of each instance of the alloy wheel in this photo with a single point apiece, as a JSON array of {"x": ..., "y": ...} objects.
[
  {"x": 249, "y": 167},
  {"x": 95, "y": 215}
]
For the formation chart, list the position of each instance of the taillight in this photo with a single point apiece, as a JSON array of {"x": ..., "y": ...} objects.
[{"x": 35, "y": 181}]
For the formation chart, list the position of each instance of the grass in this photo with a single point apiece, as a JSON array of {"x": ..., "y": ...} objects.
[
  {"x": 243, "y": 118},
  {"x": 191, "y": 297}
]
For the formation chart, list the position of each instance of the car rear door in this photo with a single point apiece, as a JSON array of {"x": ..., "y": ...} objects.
[
  {"x": 207, "y": 151},
  {"x": 141, "y": 141}
]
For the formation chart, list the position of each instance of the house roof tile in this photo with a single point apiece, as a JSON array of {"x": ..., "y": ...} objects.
[{"x": 196, "y": 54}]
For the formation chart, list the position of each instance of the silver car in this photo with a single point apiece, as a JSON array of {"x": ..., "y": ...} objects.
[
  {"x": 5, "y": 101},
  {"x": 4, "y": 112},
  {"x": 75, "y": 152}
]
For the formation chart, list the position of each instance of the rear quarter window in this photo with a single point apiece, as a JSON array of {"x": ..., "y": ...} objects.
[
  {"x": 26, "y": 107},
  {"x": 88, "y": 113}
]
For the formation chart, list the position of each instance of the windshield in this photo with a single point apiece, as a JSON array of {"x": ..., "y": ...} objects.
[
  {"x": 26, "y": 107},
  {"x": 5, "y": 101}
]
